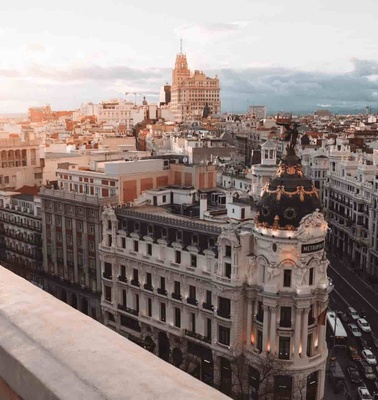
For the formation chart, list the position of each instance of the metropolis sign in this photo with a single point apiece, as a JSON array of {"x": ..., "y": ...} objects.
[{"x": 311, "y": 248}]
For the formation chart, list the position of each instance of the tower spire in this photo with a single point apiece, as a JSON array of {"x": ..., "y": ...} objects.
[{"x": 181, "y": 46}]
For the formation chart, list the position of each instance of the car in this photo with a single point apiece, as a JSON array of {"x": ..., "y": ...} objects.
[
  {"x": 342, "y": 316},
  {"x": 363, "y": 325},
  {"x": 354, "y": 374},
  {"x": 353, "y": 313},
  {"x": 353, "y": 352},
  {"x": 355, "y": 331},
  {"x": 369, "y": 357},
  {"x": 366, "y": 369},
  {"x": 364, "y": 394}
]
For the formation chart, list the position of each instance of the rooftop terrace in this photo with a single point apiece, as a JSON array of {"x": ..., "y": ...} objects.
[{"x": 50, "y": 351}]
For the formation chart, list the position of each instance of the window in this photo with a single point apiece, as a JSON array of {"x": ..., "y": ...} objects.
[
  {"x": 311, "y": 277},
  {"x": 68, "y": 223},
  {"x": 260, "y": 312},
  {"x": 285, "y": 317},
  {"x": 259, "y": 341},
  {"x": 192, "y": 292},
  {"x": 124, "y": 298},
  {"x": 208, "y": 333},
  {"x": 149, "y": 307},
  {"x": 287, "y": 278},
  {"x": 224, "y": 307},
  {"x": 192, "y": 322},
  {"x": 209, "y": 297},
  {"x": 123, "y": 243},
  {"x": 136, "y": 303},
  {"x": 123, "y": 270},
  {"x": 227, "y": 251},
  {"x": 227, "y": 270},
  {"x": 108, "y": 270},
  {"x": 136, "y": 246},
  {"x": 110, "y": 240},
  {"x": 135, "y": 276},
  {"x": 69, "y": 240},
  {"x": 109, "y": 224},
  {"x": 193, "y": 260},
  {"x": 284, "y": 348},
  {"x": 148, "y": 279},
  {"x": 309, "y": 345},
  {"x": 162, "y": 312},
  {"x": 178, "y": 257},
  {"x": 194, "y": 239},
  {"x": 91, "y": 229},
  {"x": 177, "y": 288},
  {"x": 108, "y": 293},
  {"x": 149, "y": 249},
  {"x": 177, "y": 317},
  {"x": 224, "y": 335},
  {"x": 162, "y": 283}
]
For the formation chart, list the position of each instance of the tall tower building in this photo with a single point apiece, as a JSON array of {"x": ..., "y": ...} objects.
[
  {"x": 288, "y": 314},
  {"x": 192, "y": 92}
]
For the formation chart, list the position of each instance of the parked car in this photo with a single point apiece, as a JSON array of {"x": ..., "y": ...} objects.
[
  {"x": 353, "y": 313},
  {"x": 366, "y": 369},
  {"x": 369, "y": 357},
  {"x": 353, "y": 353},
  {"x": 354, "y": 374},
  {"x": 364, "y": 393},
  {"x": 363, "y": 325},
  {"x": 343, "y": 316},
  {"x": 354, "y": 330}
]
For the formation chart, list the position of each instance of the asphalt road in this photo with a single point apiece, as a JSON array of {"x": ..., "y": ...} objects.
[{"x": 350, "y": 290}]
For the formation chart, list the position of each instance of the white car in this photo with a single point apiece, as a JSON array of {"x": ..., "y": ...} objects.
[
  {"x": 369, "y": 357},
  {"x": 364, "y": 393},
  {"x": 363, "y": 325},
  {"x": 354, "y": 329},
  {"x": 353, "y": 313}
]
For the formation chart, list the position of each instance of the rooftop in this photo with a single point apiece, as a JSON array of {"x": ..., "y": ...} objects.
[{"x": 50, "y": 351}]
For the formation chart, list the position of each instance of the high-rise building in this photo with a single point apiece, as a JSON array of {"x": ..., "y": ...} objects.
[{"x": 191, "y": 93}]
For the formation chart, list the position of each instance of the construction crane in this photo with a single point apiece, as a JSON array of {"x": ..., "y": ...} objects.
[{"x": 135, "y": 95}]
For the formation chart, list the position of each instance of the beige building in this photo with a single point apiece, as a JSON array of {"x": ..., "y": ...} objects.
[{"x": 192, "y": 92}]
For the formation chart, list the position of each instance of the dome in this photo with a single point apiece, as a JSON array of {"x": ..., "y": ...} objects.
[{"x": 288, "y": 197}]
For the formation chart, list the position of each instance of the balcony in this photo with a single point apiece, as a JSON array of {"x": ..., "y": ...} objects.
[
  {"x": 134, "y": 282},
  {"x": 122, "y": 278},
  {"x": 285, "y": 323},
  {"x": 106, "y": 275},
  {"x": 224, "y": 313},
  {"x": 128, "y": 310},
  {"x": 148, "y": 287},
  {"x": 176, "y": 296},
  {"x": 197, "y": 336},
  {"x": 191, "y": 301},
  {"x": 208, "y": 306},
  {"x": 161, "y": 291}
]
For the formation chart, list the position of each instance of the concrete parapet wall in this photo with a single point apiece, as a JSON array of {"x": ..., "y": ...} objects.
[{"x": 49, "y": 350}]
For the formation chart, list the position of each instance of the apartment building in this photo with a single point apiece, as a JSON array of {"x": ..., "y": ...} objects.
[
  {"x": 193, "y": 278},
  {"x": 191, "y": 92},
  {"x": 20, "y": 239},
  {"x": 20, "y": 161}
]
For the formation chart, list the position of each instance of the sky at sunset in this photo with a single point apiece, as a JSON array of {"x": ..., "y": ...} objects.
[{"x": 288, "y": 55}]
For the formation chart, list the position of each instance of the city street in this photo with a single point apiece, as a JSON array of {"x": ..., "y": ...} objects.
[{"x": 351, "y": 291}]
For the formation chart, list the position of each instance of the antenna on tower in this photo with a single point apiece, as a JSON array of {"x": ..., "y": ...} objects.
[{"x": 181, "y": 46}]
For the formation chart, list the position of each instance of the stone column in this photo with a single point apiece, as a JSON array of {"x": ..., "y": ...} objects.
[
  {"x": 304, "y": 332},
  {"x": 297, "y": 332},
  {"x": 249, "y": 322},
  {"x": 273, "y": 327},
  {"x": 265, "y": 327}
]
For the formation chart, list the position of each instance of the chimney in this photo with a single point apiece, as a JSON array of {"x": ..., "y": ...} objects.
[{"x": 203, "y": 204}]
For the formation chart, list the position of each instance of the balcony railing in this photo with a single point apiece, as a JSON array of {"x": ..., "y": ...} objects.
[
  {"x": 285, "y": 323},
  {"x": 208, "y": 306},
  {"x": 197, "y": 336},
  {"x": 122, "y": 278},
  {"x": 223, "y": 313},
  {"x": 161, "y": 291},
  {"x": 148, "y": 287},
  {"x": 135, "y": 282},
  {"x": 191, "y": 301},
  {"x": 106, "y": 275},
  {"x": 176, "y": 296},
  {"x": 128, "y": 310}
]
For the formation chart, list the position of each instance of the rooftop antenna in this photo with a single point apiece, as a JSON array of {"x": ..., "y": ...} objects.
[{"x": 181, "y": 46}]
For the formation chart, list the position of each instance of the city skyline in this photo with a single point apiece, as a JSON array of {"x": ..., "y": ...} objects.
[{"x": 282, "y": 56}]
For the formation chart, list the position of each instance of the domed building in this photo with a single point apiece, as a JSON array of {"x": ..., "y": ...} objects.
[{"x": 288, "y": 286}]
